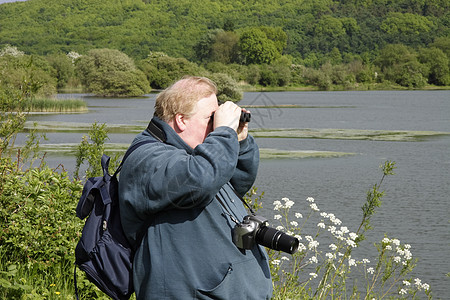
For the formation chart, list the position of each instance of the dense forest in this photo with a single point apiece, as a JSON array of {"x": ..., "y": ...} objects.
[
  {"x": 313, "y": 27},
  {"x": 269, "y": 43}
]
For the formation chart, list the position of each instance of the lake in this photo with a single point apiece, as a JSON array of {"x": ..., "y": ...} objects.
[{"x": 415, "y": 207}]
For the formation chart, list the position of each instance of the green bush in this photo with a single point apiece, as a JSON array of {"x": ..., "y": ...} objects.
[
  {"x": 228, "y": 89},
  {"x": 162, "y": 70},
  {"x": 111, "y": 73}
]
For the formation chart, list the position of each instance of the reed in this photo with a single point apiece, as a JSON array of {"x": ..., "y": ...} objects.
[{"x": 52, "y": 105}]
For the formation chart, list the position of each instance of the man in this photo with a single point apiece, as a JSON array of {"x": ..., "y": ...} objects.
[{"x": 182, "y": 192}]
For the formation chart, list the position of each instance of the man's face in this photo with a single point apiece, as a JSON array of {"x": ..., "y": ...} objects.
[{"x": 200, "y": 124}]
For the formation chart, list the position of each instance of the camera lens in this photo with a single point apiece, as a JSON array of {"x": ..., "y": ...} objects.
[{"x": 276, "y": 240}]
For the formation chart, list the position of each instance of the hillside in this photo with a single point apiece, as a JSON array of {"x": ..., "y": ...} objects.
[{"x": 136, "y": 27}]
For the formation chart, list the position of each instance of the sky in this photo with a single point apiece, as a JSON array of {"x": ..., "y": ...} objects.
[{"x": 6, "y": 1}]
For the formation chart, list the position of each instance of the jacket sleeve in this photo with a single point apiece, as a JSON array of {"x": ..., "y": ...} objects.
[
  {"x": 168, "y": 177},
  {"x": 247, "y": 166}
]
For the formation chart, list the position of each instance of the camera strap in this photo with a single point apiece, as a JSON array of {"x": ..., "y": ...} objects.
[{"x": 240, "y": 198}]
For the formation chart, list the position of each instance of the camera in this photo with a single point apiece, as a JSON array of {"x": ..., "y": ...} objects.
[{"x": 254, "y": 229}]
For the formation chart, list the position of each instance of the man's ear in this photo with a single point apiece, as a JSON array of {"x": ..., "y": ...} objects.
[{"x": 180, "y": 124}]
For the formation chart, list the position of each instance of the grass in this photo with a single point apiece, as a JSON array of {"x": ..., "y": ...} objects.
[{"x": 52, "y": 105}]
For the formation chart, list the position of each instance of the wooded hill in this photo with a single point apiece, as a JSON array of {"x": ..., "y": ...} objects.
[{"x": 176, "y": 27}]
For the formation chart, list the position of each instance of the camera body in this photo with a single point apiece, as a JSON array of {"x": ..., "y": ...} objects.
[
  {"x": 244, "y": 233},
  {"x": 254, "y": 230}
]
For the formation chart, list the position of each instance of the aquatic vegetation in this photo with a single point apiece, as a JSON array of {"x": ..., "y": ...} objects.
[{"x": 347, "y": 134}]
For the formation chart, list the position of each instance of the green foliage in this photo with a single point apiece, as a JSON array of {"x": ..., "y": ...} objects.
[
  {"x": 63, "y": 69},
  {"x": 227, "y": 87},
  {"x": 26, "y": 74},
  {"x": 91, "y": 150},
  {"x": 399, "y": 64},
  {"x": 256, "y": 47},
  {"x": 438, "y": 64},
  {"x": 406, "y": 23},
  {"x": 162, "y": 70},
  {"x": 107, "y": 72}
]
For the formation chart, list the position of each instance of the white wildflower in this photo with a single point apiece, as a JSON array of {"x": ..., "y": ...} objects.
[
  {"x": 370, "y": 270},
  {"x": 289, "y": 204},
  {"x": 386, "y": 241},
  {"x": 426, "y": 286},
  {"x": 310, "y": 199},
  {"x": 351, "y": 262},
  {"x": 313, "y": 245},
  {"x": 301, "y": 247},
  {"x": 293, "y": 223},
  {"x": 353, "y": 235},
  {"x": 407, "y": 246},
  {"x": 313, "y": 259},
  {"x": 277, "y": 217},
  {"x": 330, "y": 256},
  {"x": 280, "y": 228},
  {"x": 309, "y": 238},
  {"x": 417, "y": 282},
  {"x": 333, "y": 247},
  {"x": 276, "y": 262},
  {"x": 298, "y": 237},
  {"x": 298, "y": 215},
  {"x": 365, "y": 261},
  {"x": 313, "y": 275},
  {"x": 324, "y": 214},
  {"x": 406, "y": 283},
  {"x": 321, "y": 225},
  {"x": 351, "y": 243},
  {"x": 407, "y": 254},
  {"x": 314, "y": 207},
  {"x": 388, "y": 247},
  {"x": 396, "y": 242},
  {"x": 402, "y": 292},
  {"x": 344, "y": 229},
  {"x": 285, "y": 258},
  {"x": 397, "y": 259}
]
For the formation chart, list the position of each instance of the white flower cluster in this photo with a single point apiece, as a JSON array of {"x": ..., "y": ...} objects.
[
  {"x": 402, "y": 253},
  {"x": 12, "y": 51},
  {"x": 287, "y": 204},
  {"x": 73, "y": 56},
  {"x": 417, "y": 283}
]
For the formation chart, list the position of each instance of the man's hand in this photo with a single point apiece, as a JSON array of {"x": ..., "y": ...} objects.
[
  {"x": 227, "y": 114},
  {"x": 242, "y": 130}
]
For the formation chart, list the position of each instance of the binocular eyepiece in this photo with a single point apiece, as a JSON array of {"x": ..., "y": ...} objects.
[{"x": 245, "y": 117}]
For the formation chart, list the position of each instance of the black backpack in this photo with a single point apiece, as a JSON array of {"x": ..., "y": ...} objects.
[{"x": 103, "y": 251}]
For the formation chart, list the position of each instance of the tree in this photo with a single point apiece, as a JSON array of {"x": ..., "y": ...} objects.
[
  {"x": 162, "y": 70},
  {"x": 257, "y": 48},
  {"x": 28, "y": 75},
  {"x": 399, "y": 64},
  {"x": 227, "y": 88},
  {"x": 438, "y": 63},
  {"x": 406, "y": 23},
  {"x": 63, "y": 68},
  {"x": 224, "y": 49},
  {"x": 111, "y": 73}
]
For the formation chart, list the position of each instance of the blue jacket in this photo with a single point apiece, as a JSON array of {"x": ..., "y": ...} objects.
[{"x": 187, "y": 252}]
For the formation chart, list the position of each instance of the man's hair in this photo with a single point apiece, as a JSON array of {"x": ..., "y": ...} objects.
[{"x": 182, "y": 96}]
